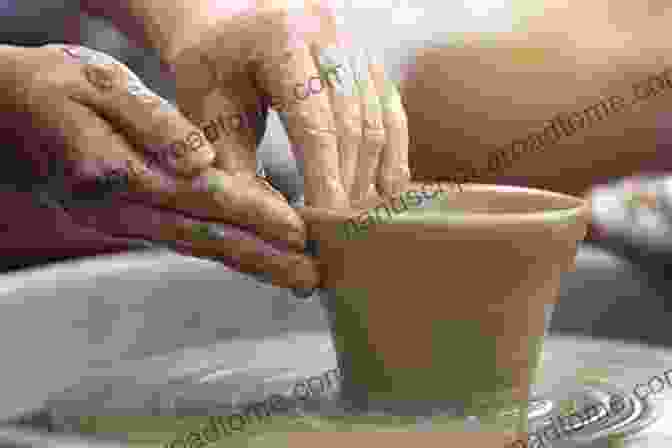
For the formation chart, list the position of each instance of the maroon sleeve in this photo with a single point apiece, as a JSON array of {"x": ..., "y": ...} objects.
[{"x": 34, "y": 231}]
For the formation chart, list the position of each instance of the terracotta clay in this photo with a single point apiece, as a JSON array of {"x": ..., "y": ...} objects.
[{"x": 446, "y": 308}]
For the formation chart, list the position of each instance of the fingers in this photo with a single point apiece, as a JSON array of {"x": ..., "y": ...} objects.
[
  {"x": 87, "y": 145},
  {"x": 96, "y": 147},
  {"x": 308, "y": 118},
  {"x": 240, "y": 200},
  {"x": 373, "y": 130},
  {"x": 235, "y": 246},
  {"x": 209, "y": 93},
  {"x": 336, "y": 71},
  {"x": 394, "y": 173},
  {"x": 148, "y": 122}
]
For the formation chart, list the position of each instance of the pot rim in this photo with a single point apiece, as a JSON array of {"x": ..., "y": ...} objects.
[{"x": 575, "y": 207}]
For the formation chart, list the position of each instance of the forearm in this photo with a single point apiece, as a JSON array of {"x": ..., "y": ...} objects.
[
  {"x": 168, "y": 27},
  {"x": 497, "y": 101}
]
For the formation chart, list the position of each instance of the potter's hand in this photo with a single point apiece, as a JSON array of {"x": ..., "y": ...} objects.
[
  {"x": 85, "y": 124},
  {"x": 343, "y": 116}
]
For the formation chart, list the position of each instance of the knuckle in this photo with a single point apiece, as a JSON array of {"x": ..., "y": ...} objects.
[{"x": 105, "y": 77}]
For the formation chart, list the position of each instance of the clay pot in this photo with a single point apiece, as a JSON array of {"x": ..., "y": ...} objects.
[{"x": 446, "y": 309}]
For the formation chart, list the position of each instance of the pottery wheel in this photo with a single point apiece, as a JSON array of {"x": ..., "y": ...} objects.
[{"x": 234, "y": 375}]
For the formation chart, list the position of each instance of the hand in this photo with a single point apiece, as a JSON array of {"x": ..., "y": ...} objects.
[
  {"x": 343, "y": 116},
  {"x": 110, "y": 155}
]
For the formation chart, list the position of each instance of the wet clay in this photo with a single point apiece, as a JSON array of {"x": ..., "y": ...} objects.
[{"x": 444, "y": 304}]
